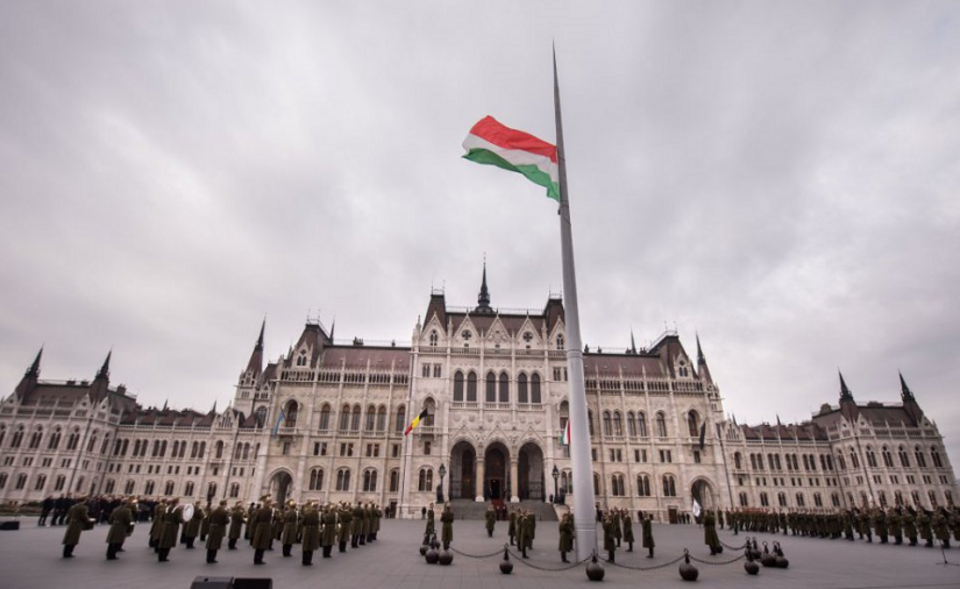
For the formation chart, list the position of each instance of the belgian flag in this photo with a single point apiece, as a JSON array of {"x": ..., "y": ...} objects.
[{"x": 416, "y": 421}]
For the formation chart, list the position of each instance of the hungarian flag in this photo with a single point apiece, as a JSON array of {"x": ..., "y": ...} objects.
[
  {"x": 416, "y": 421},
  {"x": 565, "y": 435},
  {"x": 491, "y": 143}
]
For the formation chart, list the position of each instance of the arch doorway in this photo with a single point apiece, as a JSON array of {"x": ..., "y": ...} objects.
[
  {"x": 463, "y": 468},
  {"x": 703, "y": 492},
  {"x": 530, "y": 472},
  {"x": 496, "y": 485},
  {"x": 281, "y": 484}
]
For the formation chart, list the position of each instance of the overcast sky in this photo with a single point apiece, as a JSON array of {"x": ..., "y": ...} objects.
[{"x": 781, "y": 177}]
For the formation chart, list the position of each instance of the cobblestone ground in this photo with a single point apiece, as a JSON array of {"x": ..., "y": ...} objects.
[{"x": 31, "y": 557}]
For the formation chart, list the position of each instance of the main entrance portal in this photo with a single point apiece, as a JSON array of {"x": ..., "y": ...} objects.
[
  {"x": 463, "y": 468},
  {"x": 495, "y": 472}
]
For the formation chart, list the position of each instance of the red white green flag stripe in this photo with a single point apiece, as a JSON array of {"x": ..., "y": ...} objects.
[
  {"x": 491, "y": 143},
  {"x": 565, "y": 435}
]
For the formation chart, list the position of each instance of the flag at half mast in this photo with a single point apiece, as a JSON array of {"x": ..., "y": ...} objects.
[{"x": 492, "y": 143}]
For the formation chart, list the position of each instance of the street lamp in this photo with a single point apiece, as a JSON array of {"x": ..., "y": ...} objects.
[
  {"x": 443, "y": 473},
  {"x": 556, "y": 476}
]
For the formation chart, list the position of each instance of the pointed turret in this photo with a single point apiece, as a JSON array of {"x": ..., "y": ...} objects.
[
  {"x": 848, "y": 407},
  {"x": 702, "y": 367},
  {"x": 104, "y": 372},
  {"x": 910, "y": 404},
  {"x": 214, "y": 409},
  {"x": 255, "y": 365},
  {"x": 633, "y": 343},
  {"x": 30, "y": 377},
  {"x": 483, "y": 300}
]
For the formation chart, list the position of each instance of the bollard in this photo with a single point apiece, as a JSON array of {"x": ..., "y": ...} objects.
[
  {"x": 446, "y": 557},
  {"x": 595, "y": 570},
  {"x": 506, "y": 566},
  {"x": 688, "y": 572},
  {"x": 780, "y": 560},
  {"x": 750, "y": 565}
]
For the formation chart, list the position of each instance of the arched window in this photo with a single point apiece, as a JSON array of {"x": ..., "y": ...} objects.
[
  {"x": 3, "y": 480},
  {"x": 246, "y": 451},
  {"x": 871, "y": 457},
  {"x": 616, "y": 485},
  {"x": 764, "y": 499},
  {"x": 642, "y": 425},
  {"x": 782, "y": 499},
  {"x": 302, "y": 358},
  {"x": 194, "y": 448},
  {"x": 394, "y": 480},
  {"x": 431, "y": 406},
  {"x": 504, "y": 388},
  {"x": 54, "y": 442},
  {"x": 904, "y": 457},
  {"x": 290, "y": 413},
  {"x": 425, "y": 481},
  {"x": 693, "y": 423},
  {"x": 218, "y": 450},
  {"x": 345, "y": 418},
  {"x": 590, "y": 420},
  {"x": 130, "y": 487},
  {"x": 401, "y": 419},
  {"x": 737, "y": 461},
  {"x": 560, "y": 342},
  {"x": 187, "y": 489},
  {"x": 212, "y": 490},
  {"x": 607, "y": 424},
  {"x": 74, "y": 439},
  {"x": 168, "y": 488},
  {"x": 17, "y": 438},
  {"x": 535, "y": 397},
  {"x": 669, "y": 486},
  {"x": 522, "y": 393},
  {"x": 234, "y": 490},
  {"x": 596, "y": 484},
  {"x": 176, "y": 448},
  {"x": 887, "y": 457},
  {"x": 434, "y": 338},
  {"x": 382, "y": 419},
  {"x": 343, "y": 479},
  {"x": 491, "y": 392},
  {"x": 203, "y": 450},
  {"x": 471, "y": 387},
  {"x": 3, "y": 434},
  {"x": 617, "y": 424},
  {"x": 355, "y": 421},
  {"x": 36, "y": 437},
  {"x": 42, "y": 482},
  {"x": 371, "y": 421},
  {"x": 325, "y": 417},
  {"x": 935, "y": 457},
  {"x": 149, "y": 487},
  {"x": 316, "y": 479},
  {"x": 631, "y": 425},
  {"x": 458, "y": 387},
  {"x": 643, "y": 485},
  {"x": 369, "y": 480},
  {"x": 261, "y": 416},
  {"x": 661, "y": 425}
]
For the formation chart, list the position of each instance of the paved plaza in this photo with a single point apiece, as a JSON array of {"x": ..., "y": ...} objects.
[{"x": 31, "y": 558}]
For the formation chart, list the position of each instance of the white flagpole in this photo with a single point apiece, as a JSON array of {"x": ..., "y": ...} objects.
[{"x": 584, "y": 502}]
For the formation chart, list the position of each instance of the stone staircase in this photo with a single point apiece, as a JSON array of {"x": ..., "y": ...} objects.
[{"x": 471, "y": 510}]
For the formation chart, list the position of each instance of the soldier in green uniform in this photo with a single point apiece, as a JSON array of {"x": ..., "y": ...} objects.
[
  {"x": 430, "y": 530},
  {"x": 205, "y": 524},
  {"x": 218, "y": 520},
  {"x": 237, "y": 517},
  {"x": 78, "y": 520},
  {"x": 895, "y": 522},
  {"x": 491, "y": 517},
  {"x": 289, "y": 534},
  {"x": 251, "y": 516},
  {"x": 512, "y": 526},
  {"x": 262, "y": 522},
  {"x": 617, "y": 531},
  {"x": 566, "y": 535},
  {"x": 910, "y": 526},
  {"x": 940, "y": 527},
  {"x": 880, "y": 522},
  {"x": 446, "y": 520},
  {"x": 523, "y": 532},
  {"x": 346, "y": 520},
  {"x": 192, "y": 529},
  {"x": 628, "y": 530},
  {"x": 609, "y": 538},
  {"x": 121, "y": 522},
  {"x": 357, "y": 523},
  {"x": 720, "y": 521},
  {"x": 311, "y": 533},
  {"x": 647, "y": 524},
  {"x": 710, "y": 537},
  {"x": 156, "y": 526},
  {"x": 926, "y": 531},
  {"x": 172, "y": 519},
  {"x": 329, "y": 535}
]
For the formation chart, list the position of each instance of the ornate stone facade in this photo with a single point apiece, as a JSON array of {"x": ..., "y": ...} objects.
[{"x": 326, "y": 421}]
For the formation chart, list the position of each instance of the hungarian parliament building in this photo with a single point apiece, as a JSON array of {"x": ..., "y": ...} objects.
[{"x": 326, "y": 422}]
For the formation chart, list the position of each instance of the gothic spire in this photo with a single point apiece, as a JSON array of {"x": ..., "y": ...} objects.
[
  {"x": 700, "y": 358},
  {"x": 905, "y": 393},
  {"x": 104, "y": 371},
  {"x": 702, "y": 367},
  {"x": 34, "y": 369},
  {"x": 845, "y": 394},
  {"x": 483, "y": 300},
  {"x": 633, "y": 343},
  {"x": 255, "y": 365}
]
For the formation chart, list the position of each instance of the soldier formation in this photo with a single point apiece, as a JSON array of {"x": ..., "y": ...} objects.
[
  {"x": 898, "y": 523},
  {"x": 261, "y": 524}
]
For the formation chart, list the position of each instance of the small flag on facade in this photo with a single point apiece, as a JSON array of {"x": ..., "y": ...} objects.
[
  {"x": 696, "y": 508},
  {"x": 416, "y": 421},
  {"x": 703, "y": 432},
  {"x": 565, "y": 435},
  {"x": 276, "y": 426}
]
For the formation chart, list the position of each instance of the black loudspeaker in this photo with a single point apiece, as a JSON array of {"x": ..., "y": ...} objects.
[
  {"x": 254, "y": 583},
  {"x": 10, "y": 525},
  {"x": 212, "y": 583}
]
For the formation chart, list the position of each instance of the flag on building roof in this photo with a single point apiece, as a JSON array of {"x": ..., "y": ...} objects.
[
  {"x": 491, "y": 143},
  {"x": 565, "y": 435},
  {"x": 276, "y": 426},
  {"x": 416, "y": 421}
]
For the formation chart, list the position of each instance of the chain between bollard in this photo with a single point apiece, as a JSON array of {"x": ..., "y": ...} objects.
[
  {"x": 649, "y": 568},
  {"x": 519, "y": 558},
  {"x": 478, "y": 556},
  {"x": 729, "y": 547},
  {"x": 722, "y": 563}
]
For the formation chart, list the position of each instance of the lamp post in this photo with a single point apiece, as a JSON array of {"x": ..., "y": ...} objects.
[
  {"x": 556, "y": 476},
  {"x": 443, "y": 472}
]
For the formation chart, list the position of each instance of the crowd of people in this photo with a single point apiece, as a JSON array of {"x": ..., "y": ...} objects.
[{"x": 261, "y": 524}]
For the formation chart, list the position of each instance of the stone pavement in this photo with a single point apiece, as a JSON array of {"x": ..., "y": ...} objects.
[{"x": 31, "y": 558}]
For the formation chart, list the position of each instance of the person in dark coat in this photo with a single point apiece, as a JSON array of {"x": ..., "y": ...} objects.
[
  {"x": 289, "y": 534},
  {"x": 710, "y": 537},
  {"x": 172, "y": 519},
  {"x": 431, "y": 528},
  {"x": 45, "y": 510},
  {"x": 329, "y": 535},
  {"x": 628, "y": 530},
  {"x": 262, "y": 529},
  {"x": 345, "y": 515},
  {"x": 512, "y": 527},
  {"x": 192, "y": 529},
  {"x": 121, "y": 524},
  {"x": 566, "y": 535},
  {"x": 609, "y": 537},
  {"x": 491, "y": 517},
  {"x": 205, "y": 524},
  {"x": 218, "y": 520},
  {"x": 311, "y": 533},
  {"x": 156, "y": 526},
  {"x": 646, "y": 523},
  {"x": 78, "y": 520},
  {"x": 237, "y": 517}
]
